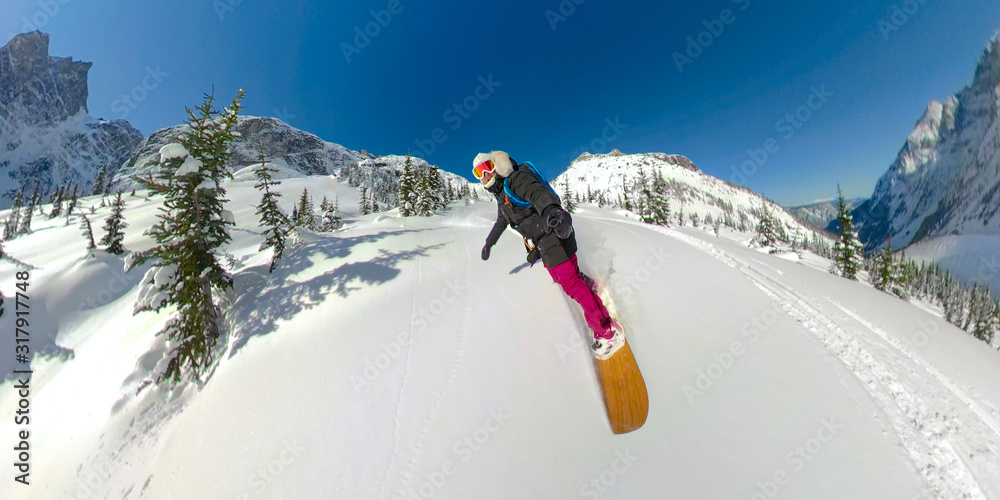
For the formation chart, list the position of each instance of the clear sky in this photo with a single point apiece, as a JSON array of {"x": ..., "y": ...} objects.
[{"x": 545, "y": 79}]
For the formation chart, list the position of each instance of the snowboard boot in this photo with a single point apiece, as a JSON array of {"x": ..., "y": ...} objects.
[{"x": 607, "y": 344}]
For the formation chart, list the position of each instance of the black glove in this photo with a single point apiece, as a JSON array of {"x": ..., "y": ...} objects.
[
  {"x": 486, "y": 251},
  {"x": 558, "y": 220}
]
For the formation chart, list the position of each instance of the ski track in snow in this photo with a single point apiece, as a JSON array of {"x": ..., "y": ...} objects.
[
  {"x": 402, "y": 385},
  {"x": 407, "y": 475},
  {"x": 925, "y": 428}
]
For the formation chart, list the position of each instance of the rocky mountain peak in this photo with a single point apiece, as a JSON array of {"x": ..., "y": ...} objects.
[{"x": 27, "y": 75}]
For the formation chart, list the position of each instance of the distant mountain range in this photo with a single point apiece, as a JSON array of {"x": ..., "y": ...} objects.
[{"x": 823, "y": 215}]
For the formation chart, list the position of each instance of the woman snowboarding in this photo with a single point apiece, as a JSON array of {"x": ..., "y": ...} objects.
[{"x": 532, "y": 208}]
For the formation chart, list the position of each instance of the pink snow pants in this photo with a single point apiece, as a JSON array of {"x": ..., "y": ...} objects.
[{"x": 579, "y": 287}]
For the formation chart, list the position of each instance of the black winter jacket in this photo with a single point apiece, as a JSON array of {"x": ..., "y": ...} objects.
[{"x": 528, "y": 221}]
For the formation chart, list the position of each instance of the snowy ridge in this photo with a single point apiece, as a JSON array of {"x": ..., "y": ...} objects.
[
  {"x": 297, "y": 150},
  {"x": 615, "y": 174}
]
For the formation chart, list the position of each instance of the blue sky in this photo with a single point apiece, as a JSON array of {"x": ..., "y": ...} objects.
[{"x": 559, "y": 77}]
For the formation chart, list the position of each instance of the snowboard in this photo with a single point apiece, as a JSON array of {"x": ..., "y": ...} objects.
[
  {"x": 625, "y": 398},
  {"x": 624, "y": 390}
]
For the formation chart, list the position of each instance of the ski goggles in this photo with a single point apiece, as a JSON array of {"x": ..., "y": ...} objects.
[{"x": 483, "y": 168}]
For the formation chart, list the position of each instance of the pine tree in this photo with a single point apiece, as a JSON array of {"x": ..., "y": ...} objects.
[
  {"x": 24, "y": 226},
  {"x": 72, "y": 202},
  {"x": 567, "y": 197},
  {"x": 435, "y": 189},
  {"x": 114, "y": 226},
  {"x": 695, "y": 219},
  {"x": 425, "y": 198},
  {"x": 99, "y": 181},
  {"x": 363, "y": 203},
  {"x": 88, "y": 233},
  {"x": 272, "y": 219},
  {"x": 407, "y": 196},
  {"x": 767, "y": 231},
  {"x": 306, "y": 213},
  {"x": 14, "y": 219},
  {"x": 192, "y": 228},
  {"x": 848, "y": 251},
  {"x": 330, "y": 218},
  {"x": 57, "y": 200}
]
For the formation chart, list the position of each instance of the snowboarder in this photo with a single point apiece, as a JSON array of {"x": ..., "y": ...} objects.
[{"x": 548, "y": 236}]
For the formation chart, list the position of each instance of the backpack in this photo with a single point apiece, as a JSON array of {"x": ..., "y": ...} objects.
[{"x": 516, "y": 200}]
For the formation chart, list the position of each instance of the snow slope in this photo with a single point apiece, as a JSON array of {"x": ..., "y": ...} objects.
[{"x": 388, "y": 361}]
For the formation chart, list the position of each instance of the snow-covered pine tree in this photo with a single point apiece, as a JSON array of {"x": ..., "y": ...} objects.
[
  {"x": 114, "y": 226},
  {"x": 88, "y": 234},
  {"x": 71, "y": 205},
  {"x": 680, "y": 216},
  {"x": 306, "y": 212},
  {"x": 425, "y": 198},
  {"x": 407, "y": 196},
  {"x": 767, "y": 231},
  {"x": 14, "y": 219},
  {"x": 436, "y": 189},
  {"x": 849, "y": 253},
  {"x": 57, "y": 200},
  {"x": 567, "y": 197},
  {"x": 717, "y": 226},
  {"x": 193, "y": 227},
  {"x": 695, "y": 219},
  {"x": 24, "y": 227},
  {"x": 330, "y": 218},
  {"x": 99, "y": 181},
  {"x": 363, "y": 202},
  {"x": 275, "y": 223}
]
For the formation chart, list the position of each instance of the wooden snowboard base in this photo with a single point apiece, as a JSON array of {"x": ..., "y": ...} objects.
[{"x": 624, "y": 390}]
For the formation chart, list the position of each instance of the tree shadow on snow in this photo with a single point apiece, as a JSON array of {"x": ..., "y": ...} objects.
[{"x": 265, "y": 299}]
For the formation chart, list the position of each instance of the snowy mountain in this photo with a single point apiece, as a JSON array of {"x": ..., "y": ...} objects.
[
  {"x": 947, "y": 176},
  {"x": 284, "y": 145},
  {"x": 48, "y": 138},
  {"x": 380, "y": 175},
  {"x": 387, "y": 360},
  {"x": 614, "y": 176},
  {"x": 294, "y": 152},
  {"x": 822, "y": 215}
]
